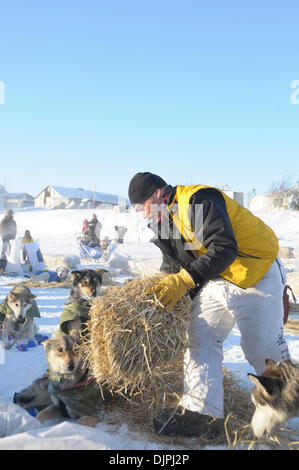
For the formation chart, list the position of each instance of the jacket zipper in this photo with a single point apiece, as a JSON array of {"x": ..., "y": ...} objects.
[{"x": 245, "y": 255}]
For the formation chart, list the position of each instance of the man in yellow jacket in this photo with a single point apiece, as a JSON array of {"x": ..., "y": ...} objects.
[{"x": 225, "y": 258}]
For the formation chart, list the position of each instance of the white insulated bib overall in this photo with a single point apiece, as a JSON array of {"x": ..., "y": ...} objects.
[{"x": 258, "y": 313}]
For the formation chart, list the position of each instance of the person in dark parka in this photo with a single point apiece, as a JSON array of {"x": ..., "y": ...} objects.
[{"x": 8, "y": 232}]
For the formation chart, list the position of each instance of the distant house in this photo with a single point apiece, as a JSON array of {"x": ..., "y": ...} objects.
[
  {"x": 237, "y": 196},
  {"x": 275, "y": 200},
  {"x": 54, "y": 197},
  {"x": 14, "y": 200}
]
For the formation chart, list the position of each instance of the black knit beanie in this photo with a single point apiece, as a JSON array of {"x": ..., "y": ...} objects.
[{"x": 143, "y": 185}]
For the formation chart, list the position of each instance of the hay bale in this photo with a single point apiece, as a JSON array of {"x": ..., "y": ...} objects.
[{"x": 135, "y": 347}]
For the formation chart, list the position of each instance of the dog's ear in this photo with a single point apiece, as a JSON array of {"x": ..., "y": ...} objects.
[
  {"x": 33, "y": 296},
  {"x": 270, "y": 363},
  {"x": 45, "y": 343},
  {"x": 75, "y": 274},
  {"x": 101, "y": 271},
  {"x": 254, "y": 379},
  {"x": 99, "y": 275},
  {"x": 268, "y": 385},
  {"x": 11, "y": 296}
]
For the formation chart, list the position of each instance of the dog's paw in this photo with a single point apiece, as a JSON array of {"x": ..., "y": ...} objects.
[
  {"x": 51, "y": 412},
  {"x": 42, "y": 416},
  {"x": 90, "y": 421}
]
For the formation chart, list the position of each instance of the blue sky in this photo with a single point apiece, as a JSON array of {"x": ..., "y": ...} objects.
[{"x": 198, "y": 92}]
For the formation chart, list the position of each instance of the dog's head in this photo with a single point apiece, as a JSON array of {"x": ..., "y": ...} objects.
[
  {"x": 61, "y": 357},
  {"x": 86, "y": 283},
  {"x": 275, "y": 395},
  {"x": 20, "y": 300},
  {"x": 62, "y": 272}
]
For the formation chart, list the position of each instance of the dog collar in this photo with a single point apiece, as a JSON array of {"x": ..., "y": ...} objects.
[
  {"x": 79, "y": 384},
  {"x": 56, "y": 377}
]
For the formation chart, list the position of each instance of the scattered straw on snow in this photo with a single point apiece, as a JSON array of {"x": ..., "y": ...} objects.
[
  {"x": 292, "y": 325},
  {"x": 136, "y": 349},
  {"x": 32, "y": 284}
]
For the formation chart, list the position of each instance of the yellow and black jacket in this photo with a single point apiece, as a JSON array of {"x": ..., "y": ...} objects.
[{"x": 211, "y": 235}]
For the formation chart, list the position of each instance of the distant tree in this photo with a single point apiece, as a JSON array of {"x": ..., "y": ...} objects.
[
  {"x": 249, "y": 196},
  {"x": 285, "y": 184}
]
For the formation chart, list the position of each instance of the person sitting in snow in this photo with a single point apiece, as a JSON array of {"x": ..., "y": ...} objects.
[{"x": 227, "y": 260}]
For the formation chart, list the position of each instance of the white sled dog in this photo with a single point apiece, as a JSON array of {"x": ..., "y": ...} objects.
[
  {"x": 62, "y": 274},
  {"x": 275, "y": 396}
]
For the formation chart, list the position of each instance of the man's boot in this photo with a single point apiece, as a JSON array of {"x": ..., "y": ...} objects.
[{"x": 186, "y": 423}]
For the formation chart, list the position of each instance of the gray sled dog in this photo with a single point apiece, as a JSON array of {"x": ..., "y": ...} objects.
[
  {"x": 74, "y": 394},
  {"x": 275, "y": 396},
  {"x": 35, "y": 396},
  {"x": 17, "y": 314}
]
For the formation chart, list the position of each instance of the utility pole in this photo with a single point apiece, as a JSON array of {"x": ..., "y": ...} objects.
[{"x": 93, "y": 196}]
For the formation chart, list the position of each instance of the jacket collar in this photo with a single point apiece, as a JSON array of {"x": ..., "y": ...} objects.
[{"x": 169, "y": 194}]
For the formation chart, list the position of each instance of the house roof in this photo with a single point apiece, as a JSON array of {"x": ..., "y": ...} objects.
[
  {"x": 77, "y": 193},
  {"x": 19, "y": 196}
]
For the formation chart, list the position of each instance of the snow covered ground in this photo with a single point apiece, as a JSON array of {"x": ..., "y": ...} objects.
[{"x": 56, "y": 231}]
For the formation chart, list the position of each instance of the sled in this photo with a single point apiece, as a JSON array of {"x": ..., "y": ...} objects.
[
  {"x": 89, "y": 253},
  {"x": 35, "y": 257}
]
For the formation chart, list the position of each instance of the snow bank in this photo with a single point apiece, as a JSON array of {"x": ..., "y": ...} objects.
[
  {"x": 14, "y": 420},
  {"x": 285, "y": 224},
  {"x": 71, "y": 436}
]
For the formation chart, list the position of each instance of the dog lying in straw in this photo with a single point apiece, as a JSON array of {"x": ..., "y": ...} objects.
[
  {"x": 275, "y": 396},
  {"x": 17, "y": 314},
  {"x": 74, "y": 394}
]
